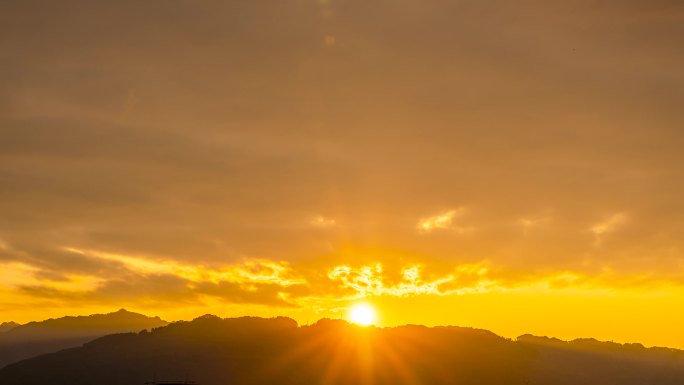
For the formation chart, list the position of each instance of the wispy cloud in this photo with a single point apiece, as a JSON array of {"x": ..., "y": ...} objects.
[
  {"x": 607, "y": 225},
  {"x": 529, "y": 223},
  {"x": 442, "y": 221},
  {"x": 246, "y": 272},
  {"x": 322, "y": 222},
  {"x": 158, "y": 281},
  {"x": 16, "y": 275}
]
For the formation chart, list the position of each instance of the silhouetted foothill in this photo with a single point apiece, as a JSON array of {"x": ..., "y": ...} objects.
[
  {"x": 255, "y": 351},
  {"x": 7, "y": 326},
  {"x": 52, "y": 335}
]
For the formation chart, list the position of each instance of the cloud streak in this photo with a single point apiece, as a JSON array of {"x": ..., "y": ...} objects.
[{"x": 443, "y": 221}]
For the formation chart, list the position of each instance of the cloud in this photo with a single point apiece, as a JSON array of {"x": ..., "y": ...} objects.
[
  {"x": 443, "y": 221},
  {"x": 156, "y": 281},
  {"x": 15, "y": 273},
  {"x": 150, "y": 282},
  {"x": 183, "y": 166},
  {"x": 472, "y": 278},
  {"x": 247, "y": 272},
  {"x": 255, "y": 293},
  {"x": 323, "y": 222},
  {"x": 606, "y": 226},
  {"x": 529, "y": 223},
  {"x": 370, "y": 281}
]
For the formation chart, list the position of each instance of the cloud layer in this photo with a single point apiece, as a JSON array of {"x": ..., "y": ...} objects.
[{"x": 294, "y": 154}]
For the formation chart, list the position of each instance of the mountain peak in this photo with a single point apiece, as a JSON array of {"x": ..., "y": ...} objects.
[
  {"x": 6, "y": 326},
  {"x": 38, "y": 337},
  {"x": 208, "y": 317}
]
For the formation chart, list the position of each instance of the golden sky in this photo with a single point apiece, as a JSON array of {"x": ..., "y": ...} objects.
[{"x": 509, "y": 165}]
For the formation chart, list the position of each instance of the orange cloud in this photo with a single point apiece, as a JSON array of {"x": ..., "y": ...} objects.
[
  {"x": 606, "y": 226},
  {"x": 247, "y": 272},
  {"x": 16, "y": 274},
  {"x": 370, "y": 281},
  {"x": 443, "y": 221}
]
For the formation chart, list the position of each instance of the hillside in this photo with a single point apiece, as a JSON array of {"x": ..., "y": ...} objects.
[
  {"x": 255, "y": 351},
  {"x": 7, "y": 326},
  {"x": 35, "y": 338}
]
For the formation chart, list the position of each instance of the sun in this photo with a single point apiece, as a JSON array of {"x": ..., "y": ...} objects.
[{"x": 362, "y": 314}]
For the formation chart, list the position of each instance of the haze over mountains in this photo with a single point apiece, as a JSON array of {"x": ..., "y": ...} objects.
[
  {"x": 18, "y": 342},
  {"x": 215, "y": 351}
]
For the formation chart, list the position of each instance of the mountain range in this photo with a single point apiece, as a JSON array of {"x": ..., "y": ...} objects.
[
  {"x": 255, "y": 351},
  {"x": 18, "y": 342},
  {"x": 6, "y": 326}
]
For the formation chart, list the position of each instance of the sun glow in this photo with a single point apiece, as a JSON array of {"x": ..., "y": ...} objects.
[{"x": 362, "y": 314}]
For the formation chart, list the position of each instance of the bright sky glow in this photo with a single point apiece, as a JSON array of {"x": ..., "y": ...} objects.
[
  {"x": 362, "y": 314},
  {"x": 509, "y": 165}
]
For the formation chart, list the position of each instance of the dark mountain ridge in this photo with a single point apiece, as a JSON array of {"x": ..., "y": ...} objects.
[
  {"x": 215, "y": 351},
  {"x": 6, "y": 326},
  {"x": 35, "y": 338}
]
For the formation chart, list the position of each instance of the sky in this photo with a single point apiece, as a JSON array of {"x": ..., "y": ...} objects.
[{"x": 513, "y": 166}]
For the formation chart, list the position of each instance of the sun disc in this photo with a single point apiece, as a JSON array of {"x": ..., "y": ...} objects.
[{"x": 362, "y": 314}]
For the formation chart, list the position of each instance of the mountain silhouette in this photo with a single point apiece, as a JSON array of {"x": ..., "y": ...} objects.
[
  {"x": 6, "y": 326},
  {"x": 35, "y": 338},
  {"x": 255, "y": 351}
]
